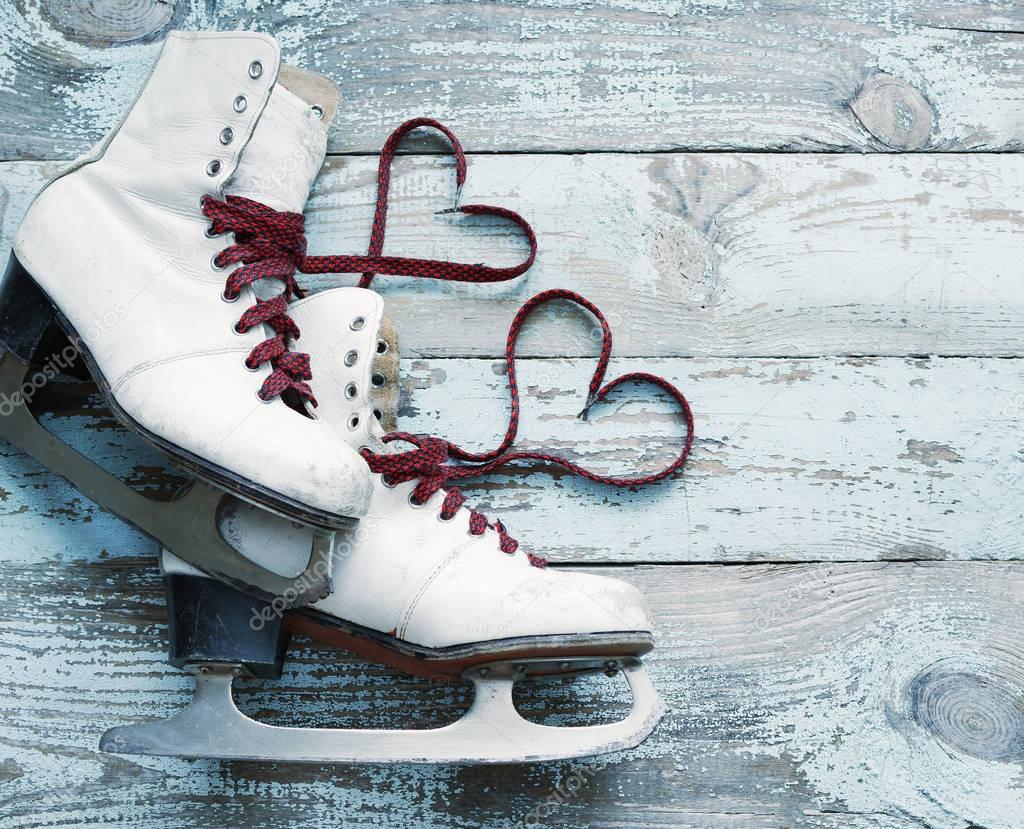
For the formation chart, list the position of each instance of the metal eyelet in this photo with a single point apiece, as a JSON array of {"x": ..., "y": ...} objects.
[
  {"x": 238, "y": 332},
  {"x": 213, "y": 168},
  {"x": 255, "y": 69},
  {"x": 353, "y": 422},
  {"x": 378, "y": 380},
  {"x": 357, "y": 324},
  {"x": 216, "y": 267},
  {"x": 227, "y": 135},
  {"x": 382, "y": 346},
  {"x": 412, "y": 503},
  {"x": 240, "y": 103},
  {"x": 228, "y": 299},
  {"x": 252, "y": 369},
  {"x": 444, "y": 520},
  {"x": 351, "y": 358},
  {"x": 318, "y": 111},
  {"x": 210, "y": 233},
  {"x": 262, "y": 399},
  {"x": 384, "y": 482},
  {"x": 351, "y": 390}
]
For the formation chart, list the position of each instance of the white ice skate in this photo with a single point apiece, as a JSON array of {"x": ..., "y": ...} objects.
[
  {"x": 191, "y": 343},
  {"x": 422, "y": 583}
]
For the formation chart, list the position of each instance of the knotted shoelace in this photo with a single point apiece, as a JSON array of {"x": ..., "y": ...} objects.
[
  {"x": 428, "y": 463},
  {"x": 271, "y": 244}
]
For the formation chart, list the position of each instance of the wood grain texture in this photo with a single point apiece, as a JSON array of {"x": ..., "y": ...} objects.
[
  {"x": 557, "y": 75},
  {"x": 718, "y": 255},
  {"x": 795, "y": 460},
  {"x": 852, "y": 693},
  {"x": 851, "y": 696}
]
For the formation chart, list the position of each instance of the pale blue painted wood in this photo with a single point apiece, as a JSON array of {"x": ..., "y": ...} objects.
[
  {"x": 555, "y": 75},
  {"x": 794, "y": 460},
  {"x": 826, "y": 696}
]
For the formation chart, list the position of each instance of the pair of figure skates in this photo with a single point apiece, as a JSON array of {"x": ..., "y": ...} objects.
[{"x": 182, "y": 303}]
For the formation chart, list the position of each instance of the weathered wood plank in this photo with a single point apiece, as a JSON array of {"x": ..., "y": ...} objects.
[
  {"x": 865, "y": 75},
  {"x": 828, "y": 697},
  {"x": 795, "y": 460},
  {"x": 761, "y": 255}
]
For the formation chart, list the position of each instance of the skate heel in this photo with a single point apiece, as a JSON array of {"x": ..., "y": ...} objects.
[
  {"x": 28, "y": 320},
  {"x": 212, "y": 623}
]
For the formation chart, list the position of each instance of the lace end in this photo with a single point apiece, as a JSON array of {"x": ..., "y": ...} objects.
[
  {"x": 585, "y": 411},
  {"x": 455, "y": 208}
]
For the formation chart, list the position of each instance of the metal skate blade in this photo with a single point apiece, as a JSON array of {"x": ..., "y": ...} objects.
[
  {"x": 492, "y": 731},
  {"x": 186, "y": 525}
]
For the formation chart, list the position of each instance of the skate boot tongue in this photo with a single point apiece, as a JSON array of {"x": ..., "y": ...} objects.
[
  {"x": 289, "y": 143},
  {"x": 353, "y": 349}
]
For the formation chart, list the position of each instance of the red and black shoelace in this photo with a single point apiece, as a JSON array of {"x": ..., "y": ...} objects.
[
  {"x": 271, "y": 244},
  {"x": 429, "y": 462}
]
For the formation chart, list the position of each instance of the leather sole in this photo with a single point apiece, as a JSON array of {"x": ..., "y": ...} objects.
[
  {"x": 451, "y": 663},
  {"x": 211, "y": 622}
]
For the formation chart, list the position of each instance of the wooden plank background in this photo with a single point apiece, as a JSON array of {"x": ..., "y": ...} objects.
[
  {"x": 836, "y": 578},
  {"x": 554, "y": 75}
]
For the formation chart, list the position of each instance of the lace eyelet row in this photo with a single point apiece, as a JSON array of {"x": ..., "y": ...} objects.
[
  {"x": 240, "y": 104},
  {"x": 227, "y": 134}
]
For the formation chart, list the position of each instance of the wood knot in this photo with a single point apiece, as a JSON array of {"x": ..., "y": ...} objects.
[
  {"x": 894, "y": 112},
  {"x": 112, "y": 21},
  {"x": 982, "y": 716}
]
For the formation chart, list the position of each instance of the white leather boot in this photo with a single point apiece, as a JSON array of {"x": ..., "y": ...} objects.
[
  {"x": 191, "y": 343},
  {"x": 428, "y": 588}
]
